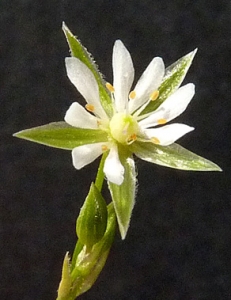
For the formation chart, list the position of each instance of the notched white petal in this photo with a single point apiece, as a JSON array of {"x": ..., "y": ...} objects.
[
  {"x": 178, "y": 102},
  {"x": 152, "y": 120},
  {"x": 123, "y": 75},
  {"x": 148, "y": 83},
  {"x": 171, "y": 107},
  {"x": 83, "y": 79},
  {"x": 84, "y": 155},
  {"x": 77, "y": 116},
  {"x": 168, "y": 134},
  {"x": 113, "y": 168}
]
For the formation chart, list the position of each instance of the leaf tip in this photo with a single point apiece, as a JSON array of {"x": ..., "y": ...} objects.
[
  {"x": 65, "y": 283},
  {"x": 17, "y": 134},
  {"x": 123, "y": 232},
  {"x": 194, "y": 51},
  {"x": 217, "y": 168},
  {"x": 64, "y": 27},
  {"x": 213, "y": 167},
  {"x": 192, "y": 54},
  {"x": 123, "y": 227}
]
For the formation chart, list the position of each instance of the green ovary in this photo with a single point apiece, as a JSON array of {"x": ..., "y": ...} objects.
[{"x": 124, "y": 128}]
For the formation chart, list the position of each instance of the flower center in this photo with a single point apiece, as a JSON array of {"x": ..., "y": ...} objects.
[{"x": 124, "y": 128}]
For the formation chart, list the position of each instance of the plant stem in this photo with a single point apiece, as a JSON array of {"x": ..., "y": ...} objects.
[{"x": 100, "y": 175}]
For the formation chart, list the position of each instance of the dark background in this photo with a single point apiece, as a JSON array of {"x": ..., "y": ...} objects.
[{"x": 178, "y": 245}]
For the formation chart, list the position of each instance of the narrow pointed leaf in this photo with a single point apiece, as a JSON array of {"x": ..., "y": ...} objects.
[
  {"x": 174, "y": 75},
  {"x": 79, "y": 51},
  {"x": 173, "y": 156},
  {"x": 61, "y": 135},
  {"x": 123, "y": 195},
  {"x": 65, "y": 283}
]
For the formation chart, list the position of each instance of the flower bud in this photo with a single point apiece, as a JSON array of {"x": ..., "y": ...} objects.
[{"x": 92, "y": 221}]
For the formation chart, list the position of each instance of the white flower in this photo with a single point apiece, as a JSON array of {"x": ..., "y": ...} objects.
[{"x": 127, "y": 125}]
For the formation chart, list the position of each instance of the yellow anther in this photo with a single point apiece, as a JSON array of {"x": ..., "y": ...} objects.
[
  {"x": 155, "y": 140},
  {"x": 161, "y": 121},
  {"x": 99, "y": 122},
  {"x": 132, "y": 138},
  {"x": 90, "y": 107},
  {"x": 110, "y": 87},
  {"x": 154, "y": 95},
  {"x": 104, "y": 148},
  {"x": 132, "y": 95}
]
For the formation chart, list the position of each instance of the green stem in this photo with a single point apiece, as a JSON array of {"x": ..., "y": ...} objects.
[
  {"x": 99, "y": 184},
  {"x": 100, "y": 175}
]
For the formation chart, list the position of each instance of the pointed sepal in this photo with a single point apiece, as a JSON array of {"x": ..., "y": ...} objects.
[
  {"x": 123, "y": 195},
  {"x": 61, "y": 135},
  {"x": 174, "y": 75},
  {"x": 173, "y": 156},
  {"x": 80, "y": 52}
]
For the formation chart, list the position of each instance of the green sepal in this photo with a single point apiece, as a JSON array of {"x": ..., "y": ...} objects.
[
  {"x": 173, "y": 156},
  {"x": 174, "y": 75},
  {"x": 66, "y": 282},
  {"x": 88, "y": 264},
  {"x": 123, "y": 195},
  {"x": 79, "y": 51},
  {"x": 92, "y": 220},
  {"x": 61, "y": 135}
]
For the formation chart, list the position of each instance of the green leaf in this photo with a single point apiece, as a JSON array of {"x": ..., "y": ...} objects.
[
  {"x": 61, "y": 135},
  {"x": 65, "y": 283},
  {"x": 78, "y": 248},
  {"x": 89, "y": 264},
  {"x": 79, "y": 51},
  {"x": 173, "y": 156},
  {"x": 123, "y": 195},
  {"x": 174, "y": 75},
  {"x": 92, "y": 220}
]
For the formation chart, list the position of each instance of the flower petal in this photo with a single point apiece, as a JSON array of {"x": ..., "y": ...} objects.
[
  {"x": 113, "y": 168},
  {"x": 148, "y": 83},
  {"x": 84, "y": 155},
  {"x": 168, "y": 134},
  {"x": 84, "y": 80},
  {"x": 77, "y": 116},
  {"x": 123, "y": 75},
  {"x": 171, "y": 107}
]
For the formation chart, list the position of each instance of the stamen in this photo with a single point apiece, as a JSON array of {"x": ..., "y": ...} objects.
[
  {"x": 155, "y": 140},
  {"x": 154, "y": 95},
  {"x": 99, "y": 122},
  {"x": 110, "y": 87},
  {"x": 104, "y": 148},
  {"x": 132, "y": 139},
  {"x": 161, "y": 121},
  {"x": 90, "y": 107},
  {"x": 132, "y": 95}
]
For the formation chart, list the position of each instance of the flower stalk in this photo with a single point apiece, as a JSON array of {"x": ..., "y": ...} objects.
[{"x": 93, "y": 245}]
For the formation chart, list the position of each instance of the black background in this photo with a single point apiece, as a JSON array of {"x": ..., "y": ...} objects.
[{"x": 178, "y": 245}]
